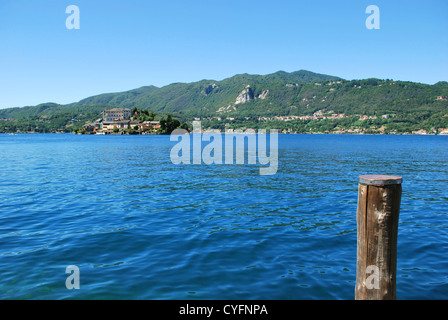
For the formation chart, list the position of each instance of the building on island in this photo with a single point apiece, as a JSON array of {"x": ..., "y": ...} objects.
[
  {"x": 116, "y": 114},
  {"x": 149, "y": 125},
  {"x": 122, "y": 124},
  {"x": 120, "y": 121}
]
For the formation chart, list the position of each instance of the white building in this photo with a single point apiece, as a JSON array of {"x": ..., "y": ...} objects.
[{"x": 116, "y": 114}]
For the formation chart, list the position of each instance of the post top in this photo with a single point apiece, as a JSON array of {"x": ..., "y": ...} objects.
[{"x": 379, "y": 180}]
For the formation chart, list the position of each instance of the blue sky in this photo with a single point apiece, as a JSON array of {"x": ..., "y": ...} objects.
[{"x": 123, "y": 45}]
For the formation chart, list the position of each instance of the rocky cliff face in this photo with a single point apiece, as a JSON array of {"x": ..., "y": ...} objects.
[
  {"x": 263, "y": 95},
  {"x": 209, "y": 89},
  {"x": 245, "y": 95}
]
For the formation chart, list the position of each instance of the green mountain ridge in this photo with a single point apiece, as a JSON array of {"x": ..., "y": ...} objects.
[
  {"x": 175, "y": 97},
  {"x": 298, "y": 93}
]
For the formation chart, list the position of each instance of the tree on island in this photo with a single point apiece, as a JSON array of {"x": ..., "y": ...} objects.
[
  {"x": 143, "y": 115},
  {"x": 170, "y": 124},
  {"x": 185, "y": 127}
]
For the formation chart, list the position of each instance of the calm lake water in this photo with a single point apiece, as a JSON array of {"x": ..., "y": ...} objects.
[{"x": 140, "y": 227}]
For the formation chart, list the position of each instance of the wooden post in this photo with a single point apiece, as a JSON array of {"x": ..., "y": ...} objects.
[{"x": 379, "y": 198}]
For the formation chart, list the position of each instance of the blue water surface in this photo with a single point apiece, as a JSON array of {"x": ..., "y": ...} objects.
[{"x": 140, "y": 227}]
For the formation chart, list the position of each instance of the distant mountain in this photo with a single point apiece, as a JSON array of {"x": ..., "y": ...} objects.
[
  {"x": 202, "y": 97},
  {"x": 281, "y": 93},
  {"x": 116, "y": 99}
]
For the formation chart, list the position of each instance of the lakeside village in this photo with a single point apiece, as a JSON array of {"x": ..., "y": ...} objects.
[
  {"x": 127, "y": 121},
  {"x": 120, "y": 121},
  {"x": 325, "y": 114}
]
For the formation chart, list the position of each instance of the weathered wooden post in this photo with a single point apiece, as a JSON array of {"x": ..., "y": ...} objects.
[{"x": 379, "y": 198}]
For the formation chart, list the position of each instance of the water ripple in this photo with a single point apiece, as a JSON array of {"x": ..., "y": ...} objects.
[{"x": 140, "y": 227}]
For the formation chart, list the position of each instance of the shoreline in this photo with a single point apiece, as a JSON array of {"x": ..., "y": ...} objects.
[{"x": 233, "y": 133}]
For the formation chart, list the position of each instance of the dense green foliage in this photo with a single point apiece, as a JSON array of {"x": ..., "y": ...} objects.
[
  {"x": 169, "y": 124},
  {"x": 143, "y": 115},
  {"x": 409, "y": 106}
]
